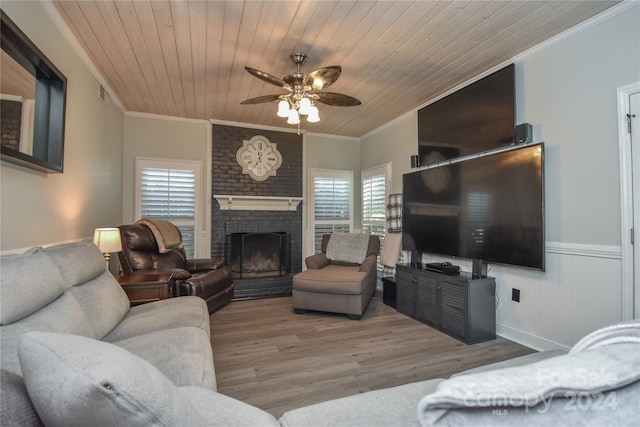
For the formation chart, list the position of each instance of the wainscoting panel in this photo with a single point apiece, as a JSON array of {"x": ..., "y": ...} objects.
[{"x": 580, "y": 291}]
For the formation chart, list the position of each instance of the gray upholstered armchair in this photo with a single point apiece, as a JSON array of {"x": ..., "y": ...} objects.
[{"x": 341, "y": 278}]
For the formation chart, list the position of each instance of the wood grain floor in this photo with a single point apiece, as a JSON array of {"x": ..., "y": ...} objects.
[{"x": 276, "y": 360}]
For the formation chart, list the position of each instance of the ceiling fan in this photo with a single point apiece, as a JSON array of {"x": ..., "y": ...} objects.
[{"x": 303, "y": 90}]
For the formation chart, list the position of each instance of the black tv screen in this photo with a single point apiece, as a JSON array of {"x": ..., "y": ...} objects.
[
  {"x": 479, "y": 117},
  {"x": 489, "y": 207}
]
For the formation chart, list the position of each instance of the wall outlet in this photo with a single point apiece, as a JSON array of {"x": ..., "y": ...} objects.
[{"x": 515, "y": 294}]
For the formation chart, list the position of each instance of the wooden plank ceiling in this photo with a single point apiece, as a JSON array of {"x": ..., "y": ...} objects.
[{"x": 187, "y": 58}]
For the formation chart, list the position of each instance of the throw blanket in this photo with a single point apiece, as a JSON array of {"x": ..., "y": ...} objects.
[
  {"x": 166, "y": 234},
  {"x": 348, "y": 247},
  {"x": 621, "y": 333},
  {"x": 394, "y": 213},
  {"x": 391, "y": 249}
]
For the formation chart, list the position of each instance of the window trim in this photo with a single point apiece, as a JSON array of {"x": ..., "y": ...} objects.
[
  {"x": 384, "y": 169},
  {"x": 163, "y": 163},
  {"x": 325, "y": 173}
]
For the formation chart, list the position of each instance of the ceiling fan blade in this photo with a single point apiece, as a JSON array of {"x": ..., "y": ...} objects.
[
  {"x": 323, "y": 77},
  {"x": 266, "y": 77},
  {"x": 261, "y": 99},
  {"x": 336, "y": 99}
]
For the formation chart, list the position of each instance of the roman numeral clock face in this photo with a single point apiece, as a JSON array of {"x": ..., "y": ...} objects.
[{"x": 259, "y": 158}]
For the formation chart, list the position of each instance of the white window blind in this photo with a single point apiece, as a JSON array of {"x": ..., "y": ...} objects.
[
  {"x": 373, "y": 205},
  {"x": 374, "y": 200},
  {"x": 375, "y": 188},
  {"x": 169, "y": 191},
  {"x": 332, "y": 204}
]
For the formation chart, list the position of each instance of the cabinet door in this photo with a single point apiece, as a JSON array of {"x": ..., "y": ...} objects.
[
  {"x": 453, "y": 308},
  {"x": 405, "y": 292},
  {"x": 427, "y": 299}
]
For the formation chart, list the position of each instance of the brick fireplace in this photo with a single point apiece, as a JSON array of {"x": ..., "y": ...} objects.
[
  {"x": 257, "y": 208},
  {"x": 258, "y": 255}
]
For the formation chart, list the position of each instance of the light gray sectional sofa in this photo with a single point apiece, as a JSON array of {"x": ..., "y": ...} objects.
[
  {"x": 94, "y": 360},
  {"x": 74, "y": 353}
]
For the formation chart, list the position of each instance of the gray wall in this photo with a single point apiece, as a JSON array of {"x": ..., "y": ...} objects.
[
  {"x": 330, "y": 152},
  {"x": 38, "y": 208},
  {"x": 166, "y": 138},
  {"x": 567, "y": 91}
]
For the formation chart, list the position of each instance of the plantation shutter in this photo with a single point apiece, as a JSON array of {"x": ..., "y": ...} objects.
[
  {"x": 170, "y": 194},
  {"x": 375, "y": 186},
  {"x": 373, "y": 204},
  {"x": 332, "y": 207}
]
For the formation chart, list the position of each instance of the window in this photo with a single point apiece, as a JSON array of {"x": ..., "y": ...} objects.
[
  {"x": 331, "y": 203},
  {"x": 375, "y": 188},
  {"x": 169, "y": 190}
]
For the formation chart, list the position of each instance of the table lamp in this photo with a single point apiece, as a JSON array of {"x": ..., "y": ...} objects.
[{"x": 108, "y": 241}]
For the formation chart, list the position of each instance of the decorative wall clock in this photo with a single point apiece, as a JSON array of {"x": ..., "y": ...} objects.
[{"x": 259, "y": 158}]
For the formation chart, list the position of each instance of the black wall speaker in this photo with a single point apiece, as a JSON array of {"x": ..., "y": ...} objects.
[
  {"x": 524, "y": 133},
  {"x": 479, "y": 269},
  {"x": 415, "y": 162}
]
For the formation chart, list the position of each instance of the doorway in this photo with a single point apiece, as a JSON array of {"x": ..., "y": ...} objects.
[{"x": 629, "y": 140}]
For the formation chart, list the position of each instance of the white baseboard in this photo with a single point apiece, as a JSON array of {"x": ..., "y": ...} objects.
[{"x": 527, "y": 339}]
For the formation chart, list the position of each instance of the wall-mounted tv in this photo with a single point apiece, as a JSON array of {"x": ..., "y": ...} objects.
[
  {"x": 476, "y": 118},
  {"x": 489, "y": 207}
]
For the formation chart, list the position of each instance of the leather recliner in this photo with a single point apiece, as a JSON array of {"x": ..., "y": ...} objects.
[{"x": 207, "y": 278}]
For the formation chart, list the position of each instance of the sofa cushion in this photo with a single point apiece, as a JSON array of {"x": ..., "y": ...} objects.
[
  {"x": 595, "y": 387},
  {"x": 183, "y": 354},
  {"x": 394, "y": 406},
  {"x": 332, "y": 279},
  {"x": 104, "y": 301},
  {"x": 28, "y": 282},
  {"x": 16, "y": 408},
  {"x": 78, "y": 262},
  {"x": 224, "y": 411},
  {"x": 64, "y": 315},
  {"x": 162, "y": 315},
  {"x": 76, "y": 381}
]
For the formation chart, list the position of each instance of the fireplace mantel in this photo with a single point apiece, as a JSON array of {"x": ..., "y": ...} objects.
[{"x": 257, "y": 203}]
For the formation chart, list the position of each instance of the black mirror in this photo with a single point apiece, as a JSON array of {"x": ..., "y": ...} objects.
[{"x": 32, "y": 95}]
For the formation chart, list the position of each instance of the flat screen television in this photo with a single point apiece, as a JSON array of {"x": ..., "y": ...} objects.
[
  {"x": 489, "y": 207},
  {"x": 476, "y": 118}
]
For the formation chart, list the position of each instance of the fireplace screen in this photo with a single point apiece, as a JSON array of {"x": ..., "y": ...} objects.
[{"x": 255, "y": 255}]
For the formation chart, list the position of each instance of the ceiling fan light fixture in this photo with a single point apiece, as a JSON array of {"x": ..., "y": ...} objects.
[
  {"x": 283, "y": 108},
  {"x": 313, "y": 116},
  {"x": 294, "y": 118},
  {"x": 317, "y": 84},
  {"x": 305, "y": 106},
  {"x": 303, "y": 90}
]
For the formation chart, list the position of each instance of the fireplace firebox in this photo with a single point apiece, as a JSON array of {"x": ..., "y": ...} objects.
[{"x": 259, "y": 255}]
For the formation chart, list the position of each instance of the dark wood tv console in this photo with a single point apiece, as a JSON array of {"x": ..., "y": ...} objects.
[{"x": 460, "y": 305}]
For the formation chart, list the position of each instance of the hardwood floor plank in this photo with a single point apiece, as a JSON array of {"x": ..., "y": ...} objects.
[{"x": 269, "y": 357}]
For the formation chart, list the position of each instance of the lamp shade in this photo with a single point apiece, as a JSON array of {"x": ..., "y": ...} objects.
[
  {"x": 313, "y": 116},
  {"x": 107, "y": 240},
  {"x": 318, "y": 83},
  {"x": 294, "y": 117},
  {"x": 283, "y": 108},
  {"x": 305, "y": 105}
]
